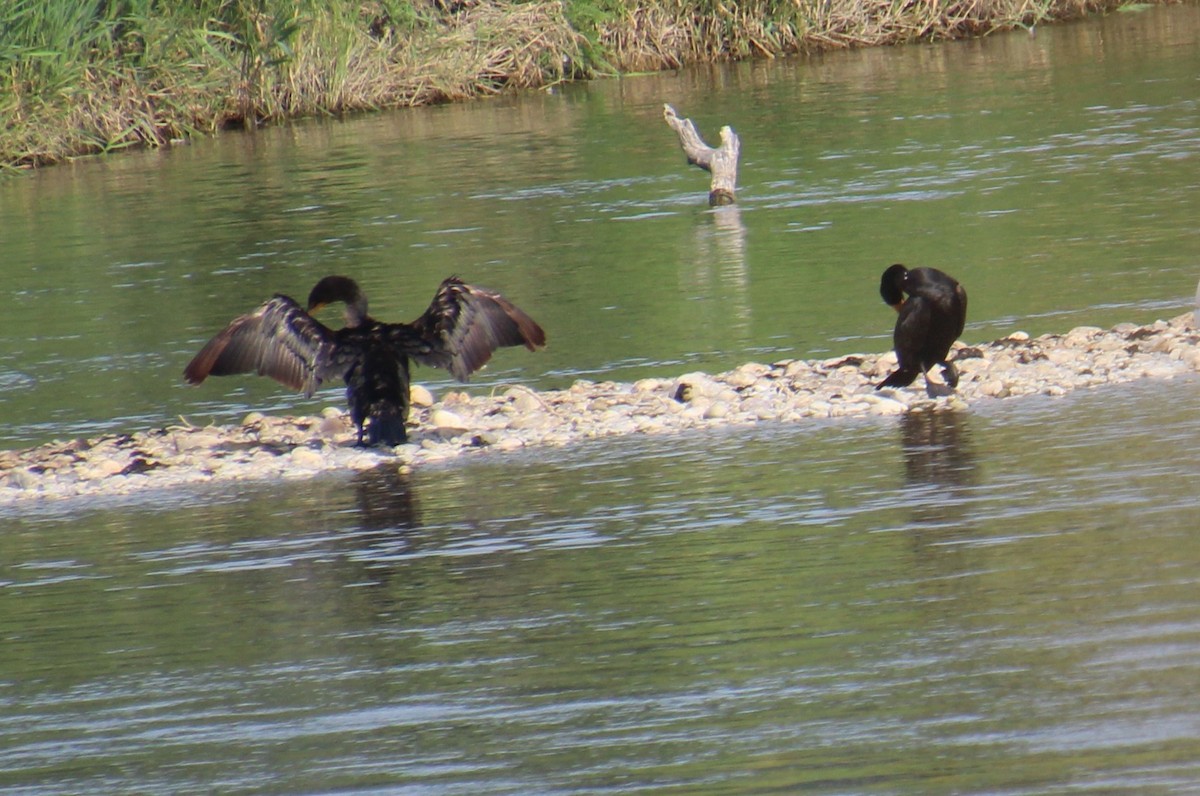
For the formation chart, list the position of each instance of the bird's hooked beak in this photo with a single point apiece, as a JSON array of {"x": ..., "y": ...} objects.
[{"x": 320, "y": 305}]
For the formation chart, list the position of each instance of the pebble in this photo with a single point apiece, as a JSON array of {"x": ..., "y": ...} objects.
[
  {"x": 331, "y": 426},
  {"x": 994, "y": 388},
  {"x": 266, "y": 447},
  {"x": 306, "y": 457},
  {"x": 101, "y": 469},
  {"x": 523, "y": 400},
  {"x": 445, "y": 420},
  {"x": 420, "y": 396},
  {"x": 717, "y": 410}
]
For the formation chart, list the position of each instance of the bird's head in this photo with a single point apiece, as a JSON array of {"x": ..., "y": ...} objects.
[
  {"x": 891, "y": 286},
  {"x": 333, "y": 289}
]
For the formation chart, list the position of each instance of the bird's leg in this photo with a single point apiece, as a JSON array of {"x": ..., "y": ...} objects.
[
  {"x": 950, "y": 374},
  {"x": 936, "y": 389}
]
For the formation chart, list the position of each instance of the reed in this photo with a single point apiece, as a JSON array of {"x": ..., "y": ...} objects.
[{"x": 87, "y": 76}]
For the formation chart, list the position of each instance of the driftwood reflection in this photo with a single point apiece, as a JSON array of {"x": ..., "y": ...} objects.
[
  {"x": 729, "y": 237},
  {"x": 719, "y": 261}
]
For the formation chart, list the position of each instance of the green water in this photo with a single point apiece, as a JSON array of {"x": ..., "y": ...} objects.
[
  {"x": 1054, "y": 175},
  {"x": 997, "y": 601},
  {"x": 938, "y": 607}
]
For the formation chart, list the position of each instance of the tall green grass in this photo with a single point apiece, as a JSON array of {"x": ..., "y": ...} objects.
[
  {"x": 86, "y": 76},
  {"x": 94, "y": 75},
  {"x": 83, "y": 76}
]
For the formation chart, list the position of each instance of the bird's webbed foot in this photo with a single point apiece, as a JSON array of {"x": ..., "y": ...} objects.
[
  {"x": 936, "y": 389},
  {"x": 946, "y": 386},
  {"x": 950, "y": 374}
]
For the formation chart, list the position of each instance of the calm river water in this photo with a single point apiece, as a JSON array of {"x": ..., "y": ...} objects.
[{"x": 997, "y": 601}]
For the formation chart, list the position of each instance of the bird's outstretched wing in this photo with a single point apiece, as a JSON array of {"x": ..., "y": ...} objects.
[
  {"x": 462, "y": 327},
  {"x": 279, "y": 340}
]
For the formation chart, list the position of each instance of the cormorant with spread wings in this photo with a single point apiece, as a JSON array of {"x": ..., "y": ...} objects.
[{"x": 459, "y": 331}]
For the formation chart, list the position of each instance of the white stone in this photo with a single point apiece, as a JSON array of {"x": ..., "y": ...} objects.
[
  {"x": 696, "y": 385},
  {"x": 1083, "y": 334},
  {"x": 994, "y": 388},
  {"x": 333, "y": 426},
  {"x": 103, "y": 468},
  {"x": 525, "y": 401},
  {"x": 20, "y": 478},
  {"x": 203, "y": 439},
  {"x": 716, "y": 410},
  {"x": 1062, "y": 356},
  {"x": 419, "y": 395},
  {"x": 445, "y": 420}
]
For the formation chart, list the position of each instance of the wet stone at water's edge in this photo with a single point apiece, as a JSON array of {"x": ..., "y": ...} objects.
[{"x": 264, "y": 447}]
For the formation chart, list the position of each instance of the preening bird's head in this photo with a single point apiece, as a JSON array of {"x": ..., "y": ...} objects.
[
  {"x": 891, "y": 286},
  {"x": 332, "y": 289}
]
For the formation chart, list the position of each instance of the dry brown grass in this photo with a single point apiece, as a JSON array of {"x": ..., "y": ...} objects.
[
  {"x": 339, "y": 63},
  {"x": 676, "y": 33},
  {"x": 483, "y": 50}
]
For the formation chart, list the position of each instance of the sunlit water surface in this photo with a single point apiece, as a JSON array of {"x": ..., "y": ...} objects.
[
  {"x": 1000, "y": 601},
  {"x": 1054, "y": 175},
  {"x": 936, "y": 604}
]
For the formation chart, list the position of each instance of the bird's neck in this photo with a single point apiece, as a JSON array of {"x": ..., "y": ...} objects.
[{"x": 356, "y": 313}]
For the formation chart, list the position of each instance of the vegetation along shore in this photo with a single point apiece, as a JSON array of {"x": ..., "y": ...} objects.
[{"x": 92, "y": 76}]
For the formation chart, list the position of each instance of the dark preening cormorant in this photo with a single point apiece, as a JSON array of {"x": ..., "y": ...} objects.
[
  {"x": 931, "y": 319},
  {"x": 459, "y": 331}
]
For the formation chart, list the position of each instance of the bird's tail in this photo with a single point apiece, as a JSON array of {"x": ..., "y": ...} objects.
[
  {"x": 899, "y": 378},
  {"x": 387, "y": 424}
]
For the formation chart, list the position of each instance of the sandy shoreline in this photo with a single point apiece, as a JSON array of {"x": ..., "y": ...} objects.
[{"x": 266, "y": 448}]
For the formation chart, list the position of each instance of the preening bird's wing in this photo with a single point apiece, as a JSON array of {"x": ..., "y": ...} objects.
[
  {"x": 912, "y": 328},
  {"x": 961, "y": 311},
  {"x": 463, "y": 326},
  {"x": 279, "y": 340}
]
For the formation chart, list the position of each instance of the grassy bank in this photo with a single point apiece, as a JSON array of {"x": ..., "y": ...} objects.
[{"x": 88, "y": 76}]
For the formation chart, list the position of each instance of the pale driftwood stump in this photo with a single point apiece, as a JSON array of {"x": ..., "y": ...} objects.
[{"x": 721, "y": 162}]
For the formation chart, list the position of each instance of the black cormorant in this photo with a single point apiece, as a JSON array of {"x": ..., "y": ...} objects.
[
  {"x": 459, "y": 331},
  {"x": 931, "y": 319}
]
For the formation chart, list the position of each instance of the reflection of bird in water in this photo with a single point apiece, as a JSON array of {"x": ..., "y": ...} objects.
[
  {"x": 384, "y": 530},
  {"x": 936, "y": 448},
  {"x": 940, "y": 473},
  {"x": 931, "y": 319},
  {"x": 459, "y": 331},
  {"x": 386, "y": 502}
]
